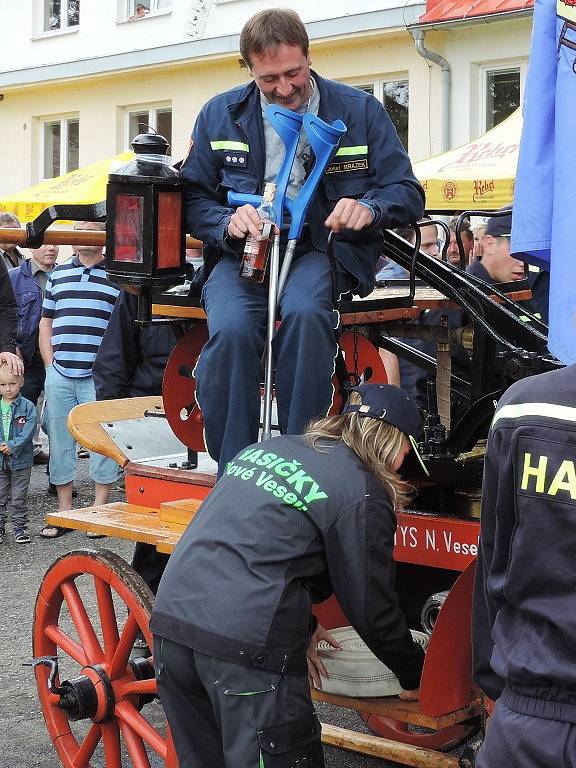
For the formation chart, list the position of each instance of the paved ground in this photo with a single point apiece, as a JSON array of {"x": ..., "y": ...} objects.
[{"x": 24, "y": 741}]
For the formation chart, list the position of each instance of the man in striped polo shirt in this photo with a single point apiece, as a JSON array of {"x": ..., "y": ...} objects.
[{"x": 77, "y": 306}]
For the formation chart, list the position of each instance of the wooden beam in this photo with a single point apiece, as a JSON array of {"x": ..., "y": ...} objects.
[
  {"x": 376, "y": 746},
  {"x": 70, "y": 237}
]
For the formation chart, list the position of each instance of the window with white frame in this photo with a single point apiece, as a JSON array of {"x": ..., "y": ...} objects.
[
  {"x": 60, "y": 14},
  {"x": 395, "y": 95},
  {"x": 137, "y": 9},
  {"x": 60, "y": 145},
  {"x": 141, "y": 119},
  {"x": 501, "y": 94}
]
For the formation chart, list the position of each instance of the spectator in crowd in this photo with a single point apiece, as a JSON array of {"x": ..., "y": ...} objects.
[
  {"x": 130, "y": 363},
  {"x": 11, "y": 254},
  {"x": 496, "y": 264},
  {"x": 478, "y": 231},
  {"x": 398, "y": 369},
  {"x": 274, "y": 44},
  {"x": 539, "y": 283},
  {"x": 453, "y": 254},
  {"x": 9, "y": 322},
  {"x": 428, "y": 237},
  {"x": 16, "y": 454},
  {"x": 139, "y": 12},
  {"x": 77, "y": 307},
  {"x": 29, "y": 284},
  {"x": 387, "y": 269}
]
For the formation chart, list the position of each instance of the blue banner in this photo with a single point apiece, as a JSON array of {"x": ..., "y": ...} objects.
[{"x": 545, "y": 193}]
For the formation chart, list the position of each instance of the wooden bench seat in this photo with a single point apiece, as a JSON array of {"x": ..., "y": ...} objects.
[{"x": 356, "y": 312}]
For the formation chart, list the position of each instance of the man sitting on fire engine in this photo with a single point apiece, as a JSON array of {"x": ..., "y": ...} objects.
[{"x": 235, "y": 148}]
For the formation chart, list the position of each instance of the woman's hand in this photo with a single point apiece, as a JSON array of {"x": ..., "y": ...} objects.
[{"x": 316, "y": 669}]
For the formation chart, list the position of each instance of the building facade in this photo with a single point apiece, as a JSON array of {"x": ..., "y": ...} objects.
[{"x": 79, "y": 78}]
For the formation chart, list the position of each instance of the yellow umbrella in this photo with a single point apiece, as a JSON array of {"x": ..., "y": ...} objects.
[
  {"x": 479, "y": 175},
  {"x": 85, "y": 185}
]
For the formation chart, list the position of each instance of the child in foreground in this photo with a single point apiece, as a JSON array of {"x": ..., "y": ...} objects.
[{"x": 16, "y": 454}]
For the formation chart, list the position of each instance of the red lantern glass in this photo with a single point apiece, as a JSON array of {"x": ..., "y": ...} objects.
[
  {"x": 129, "y": 229},
  {"x": 169, "y": 236}
]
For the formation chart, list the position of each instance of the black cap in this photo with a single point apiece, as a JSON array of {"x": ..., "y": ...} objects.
[
  {"x": 500, "y": 226},
  {"x": 389, "y": 403}
]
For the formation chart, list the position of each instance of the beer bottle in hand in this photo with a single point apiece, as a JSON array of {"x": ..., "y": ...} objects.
[{"x": 256, "y": 252}]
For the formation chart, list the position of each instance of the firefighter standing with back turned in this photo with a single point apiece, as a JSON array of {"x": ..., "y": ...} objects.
[
  {"x": 524, "y": 619},
  {"x": 292, "y": 520}
]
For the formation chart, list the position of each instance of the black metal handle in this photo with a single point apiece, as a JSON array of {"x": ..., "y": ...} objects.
[
  {"x": 35, "y": 229},
  {"x": 52, "y": 663}
]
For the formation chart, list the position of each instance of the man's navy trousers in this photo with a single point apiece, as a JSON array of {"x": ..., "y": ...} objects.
[
  {"x": 229, "y": 370},
  {"x": 518, "y": 740}
]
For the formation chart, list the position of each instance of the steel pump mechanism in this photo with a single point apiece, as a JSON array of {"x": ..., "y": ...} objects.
[
  {"x": 506, "y": 343},
  {"x": 324, "y": 139}
]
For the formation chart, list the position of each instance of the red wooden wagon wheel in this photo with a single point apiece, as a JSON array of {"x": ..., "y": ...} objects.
[
  {"x": 89, "y": 611},
  {"x": 179, "y": 389},
  {"x": 362, "y": 359}
]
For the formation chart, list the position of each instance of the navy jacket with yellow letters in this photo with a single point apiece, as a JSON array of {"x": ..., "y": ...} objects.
[
  {"x": 284, "y": 527},
  {"x": 227, "y": 153},
  {"x": 525, "y": 592}
]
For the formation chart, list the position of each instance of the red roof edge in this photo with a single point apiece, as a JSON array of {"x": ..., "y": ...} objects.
[{"x": 438, "y": 11}]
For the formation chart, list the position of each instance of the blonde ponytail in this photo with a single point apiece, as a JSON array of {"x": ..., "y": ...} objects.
[{"x": 375, "y": 442}]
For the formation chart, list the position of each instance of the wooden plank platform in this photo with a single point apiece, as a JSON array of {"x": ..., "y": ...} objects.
[
  {"x": 179, "y": 512},
  {"x": 398, "y": 709},
  {"x": 425, "y": 298},
  {"x": 122, "y": 521}
]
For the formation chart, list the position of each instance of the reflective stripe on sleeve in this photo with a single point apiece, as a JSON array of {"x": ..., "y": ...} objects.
[
  {"x": 360, "y": 149},
  {"x": 231, "y": 145},
  {"x": 546, "y": 410}
]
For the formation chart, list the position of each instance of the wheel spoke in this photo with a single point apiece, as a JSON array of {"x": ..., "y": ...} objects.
[
  {"x": 111, "y": 742},
  {"x": 68, "y": 645},
  {"x": 128, "y": 714},
  {"x": 87, "y": 747},
  {"x": 138, "y": 688},
  {"x": 107, "y": 617},
  {"x": 125, "y": 643},
  {"x": 136, "y": 748},
  {"x": 82, "y": 622}
]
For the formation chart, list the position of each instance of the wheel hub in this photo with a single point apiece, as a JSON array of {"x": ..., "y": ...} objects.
[
  {"x": 143, "y": 669},
  {"x": 91, "y": 695},
  {"x": 88, "y": 696}
]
